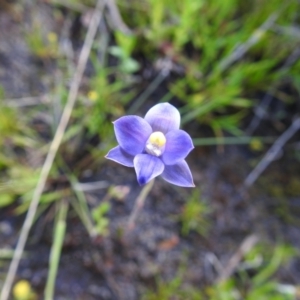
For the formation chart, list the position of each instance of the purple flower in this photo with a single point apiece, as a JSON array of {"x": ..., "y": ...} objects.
[{"x": 154, "y": 146}]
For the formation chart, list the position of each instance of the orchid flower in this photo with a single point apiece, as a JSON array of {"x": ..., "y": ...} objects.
[{"x": 154, "y": 145}]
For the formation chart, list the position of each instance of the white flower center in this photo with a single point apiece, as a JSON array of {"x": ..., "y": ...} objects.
[{"x": 156, "y": 144}]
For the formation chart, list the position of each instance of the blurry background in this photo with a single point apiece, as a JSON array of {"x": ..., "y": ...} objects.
[{"x": 232, "y": 69}]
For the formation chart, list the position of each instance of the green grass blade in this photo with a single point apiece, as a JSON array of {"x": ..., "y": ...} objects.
[
  {"x": 239, "y": 140},
  {"x": 59, "y": 234},
  {"x": 81, "y": 206}
]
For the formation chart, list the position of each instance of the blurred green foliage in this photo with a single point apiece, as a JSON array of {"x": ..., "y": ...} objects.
[
  {"x": 206, "y": 38},
  {"x": 99, "y": 216},
  {"x": 240, "y": 286},
  {"x": 41, "y": 46},
  {"x": 194, "y": 215}
]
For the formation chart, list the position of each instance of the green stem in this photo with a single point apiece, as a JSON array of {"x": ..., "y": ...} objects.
[{"x": 139, "y": 203}]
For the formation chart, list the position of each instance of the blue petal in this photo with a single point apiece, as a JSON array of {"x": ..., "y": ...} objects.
[
  {"x": 178, "y": 146},
  {"x": 120, "y": 156},
  {"x": 163, "y": 117},
  {"x": 132, "y": 133},
  {"x": 178, "y": 174},
  {"x": 147, "y": 167}
]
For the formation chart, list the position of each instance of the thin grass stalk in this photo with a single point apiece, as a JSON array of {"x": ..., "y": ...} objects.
[
  {"x": 239, "y": 140},
  {"x": 82, "y": 208},
  {"x": 58, "y": 238},
  {"x": 150, "y": 89}
]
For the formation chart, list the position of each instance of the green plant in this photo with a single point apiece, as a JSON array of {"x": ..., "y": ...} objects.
[
  {"x": 260, "y": 286},
  {"x": 123, "y": 52},
  {"x": 173, "y": 289},
  {"x": 194, "y": 215},
  {"x": 107, "y": 100},
  {"x": 40, "y": 45},
  {"x": 100, "y": 219},
  {"x": 227, "y": 49},
  {"x": 240, "y": 286}
]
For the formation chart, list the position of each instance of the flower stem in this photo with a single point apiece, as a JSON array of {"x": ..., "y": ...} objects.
[{"x": 139, "y": 203}]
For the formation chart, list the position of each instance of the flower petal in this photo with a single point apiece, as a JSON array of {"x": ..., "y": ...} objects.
[
  {"x": 178, "y": 174},
  {"x": 132, "y": 133},
  {"x": 163, "y": 117},
  {"x": 120, "y": 156},
  {"x": 178, "y": 146},
  {"x": 147, "y": 167}
]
